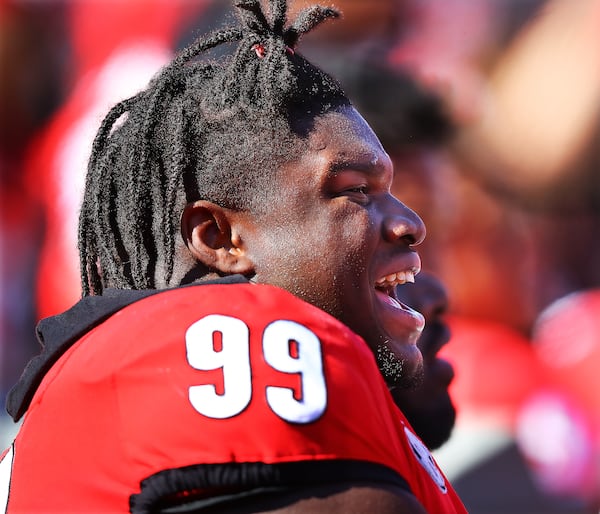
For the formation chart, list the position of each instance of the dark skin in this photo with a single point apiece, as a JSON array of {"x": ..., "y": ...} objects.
[
  {"x": 333, "y": 235},
  {"x": 334, "y": 231}
]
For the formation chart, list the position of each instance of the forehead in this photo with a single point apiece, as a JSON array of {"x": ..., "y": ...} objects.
[
  {"x": 344, "y": 139},
  {"x": 343, "y": 128},
  {"x": 338, "y": 141}
]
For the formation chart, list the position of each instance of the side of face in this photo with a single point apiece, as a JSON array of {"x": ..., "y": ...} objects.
[{"x": 336, "y": 237}]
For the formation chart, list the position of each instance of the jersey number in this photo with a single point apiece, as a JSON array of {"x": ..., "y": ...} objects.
[{"x": 233, "y": 358}]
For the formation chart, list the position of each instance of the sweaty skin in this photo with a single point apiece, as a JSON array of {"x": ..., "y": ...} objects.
[{"x": 337, "y": 238}]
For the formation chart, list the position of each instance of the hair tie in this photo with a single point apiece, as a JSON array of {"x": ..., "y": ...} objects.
[{"x": 259, "y": 49}]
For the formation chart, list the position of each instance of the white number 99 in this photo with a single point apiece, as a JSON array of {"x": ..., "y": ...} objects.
[{"x": 234, "y": 360}]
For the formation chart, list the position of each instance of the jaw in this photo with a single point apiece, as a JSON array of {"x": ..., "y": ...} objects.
[
  {"x": 403, "y": 370},
  {"x": 394, "y": 330}
]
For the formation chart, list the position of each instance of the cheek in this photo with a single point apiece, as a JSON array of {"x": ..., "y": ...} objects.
[
  {"x": 289, "y": 252},
  {"x": 317, "y": 251},
  {"x": 355, "y": 238}
]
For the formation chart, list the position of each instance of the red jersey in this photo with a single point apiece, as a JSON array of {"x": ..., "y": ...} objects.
[{"x": 198, "y": 377}]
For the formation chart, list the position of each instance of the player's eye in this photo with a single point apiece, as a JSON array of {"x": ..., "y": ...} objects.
[
  {"x": 359, "y": 189},
  {"x": 359, "y": 194}
]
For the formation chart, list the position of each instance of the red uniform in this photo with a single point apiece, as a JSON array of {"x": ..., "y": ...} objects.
[{"x": 209, "y": 389}]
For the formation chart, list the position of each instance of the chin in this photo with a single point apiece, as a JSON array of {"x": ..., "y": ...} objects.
[{"x": 402, "y": 372}]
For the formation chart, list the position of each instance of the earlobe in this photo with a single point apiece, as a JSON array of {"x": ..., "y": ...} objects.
[{"x": 206, "y": 229}]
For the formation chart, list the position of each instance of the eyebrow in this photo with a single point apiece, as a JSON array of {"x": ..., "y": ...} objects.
[{"x": 364, "y": 163}]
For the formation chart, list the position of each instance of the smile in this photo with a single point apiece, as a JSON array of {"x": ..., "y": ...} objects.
[
  {"x": 398, "y": 315},
  {"x": 392, "y": 280}
]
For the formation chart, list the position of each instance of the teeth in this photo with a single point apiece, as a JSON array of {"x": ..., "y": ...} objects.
[{"x": 400, "y": 277}]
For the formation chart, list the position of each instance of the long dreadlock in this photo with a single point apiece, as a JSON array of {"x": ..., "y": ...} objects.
[{"x": 201, "y": 130}]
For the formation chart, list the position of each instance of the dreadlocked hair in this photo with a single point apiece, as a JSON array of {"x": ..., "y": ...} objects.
[{"x": 202, "y": 129}]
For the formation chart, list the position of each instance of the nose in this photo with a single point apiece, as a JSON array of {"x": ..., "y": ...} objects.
[{"x": 403, "y": 224}]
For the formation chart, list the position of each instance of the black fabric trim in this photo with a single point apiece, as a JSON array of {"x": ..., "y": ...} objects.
[
  {"x": 58, "y": 333},
  {"x": 200, "y": 486}
]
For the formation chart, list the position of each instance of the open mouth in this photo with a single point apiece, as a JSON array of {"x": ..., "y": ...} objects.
[
  {"x": 386, "y": 289},
  {"x": 387, "y": 284}
]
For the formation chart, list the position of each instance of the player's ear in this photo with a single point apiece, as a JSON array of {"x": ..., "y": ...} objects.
[{"x": 206, "y": 229}]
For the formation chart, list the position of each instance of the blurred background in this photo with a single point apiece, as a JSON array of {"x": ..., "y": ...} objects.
[{"x": 490, "y": 110}]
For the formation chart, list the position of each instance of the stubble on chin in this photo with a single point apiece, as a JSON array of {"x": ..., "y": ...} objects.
[{"x": 394, "y": 370}]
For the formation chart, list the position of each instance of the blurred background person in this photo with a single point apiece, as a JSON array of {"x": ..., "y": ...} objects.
[{"x": 429, "y": 408}]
